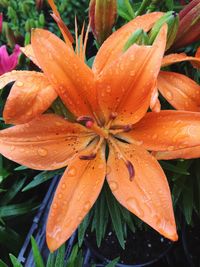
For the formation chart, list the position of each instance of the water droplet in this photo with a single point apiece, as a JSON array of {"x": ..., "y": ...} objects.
[
  {"x": 80, "y": 218},
  {"x": 71, "y": 171},
  {"x": 63, "y": 186},
  {"x": 59, "y": 196},
  {"x": 113, "y": 185},
  {"x": 170, "y": 148},
  {"x": 132, "y": 73},
  {"x": 87, "y": 206},
  {"x": 18, "y": 83},
  {"x": 108, "y": 89},
  {"x": 134, "y": 205},
  {"x": 154, "y": 136},
  {"x": 169, "y": 95},
  {"x": 12, "y": 148},
  {"x": 42, "y": 152}
]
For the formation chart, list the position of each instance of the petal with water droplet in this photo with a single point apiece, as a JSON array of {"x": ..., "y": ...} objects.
[
  {"x": 179, "y": 90},
  {"x": 113, "y": 46},
  {"x": 130, "y": 94},
  {"x": 173, "y": 130},
  {"x": 67, "y": 216},
  {"x": 148, "y": 194},
  {"x": 32, "y": 94},
  {"x": 46, "y": 143},
  {"x": 72, "y": 78}
]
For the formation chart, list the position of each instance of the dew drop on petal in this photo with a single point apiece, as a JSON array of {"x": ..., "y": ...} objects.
[
  {"x": 113, "y": 185},
  {"x": 169, "y": 95},
  {"x": 135, "y": 207},
  {"x": 71, "y": 171},
  {"x": 19, "y": 84},
  {"x": 42, "y": 152},
  {"x": 87, "y": 206}
]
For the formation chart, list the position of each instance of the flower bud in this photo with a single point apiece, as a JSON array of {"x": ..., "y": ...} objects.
[
  {"x": 172, "y": 20},
  {"x": 138, "y": 37},
  {"x": 102, "y": 14},
  {"x": 39, "y": 4},
  {"x": 189, "y": 26}
]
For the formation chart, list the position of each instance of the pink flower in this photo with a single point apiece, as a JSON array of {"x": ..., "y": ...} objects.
[
  {"x": 1, "y": 22},
  {"x": 8, "y": 62}
]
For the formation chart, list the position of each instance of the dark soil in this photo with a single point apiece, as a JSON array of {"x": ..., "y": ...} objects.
[{"x": 140, "y": 248}]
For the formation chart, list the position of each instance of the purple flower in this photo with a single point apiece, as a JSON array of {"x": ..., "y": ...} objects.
[{"x": 8, "y": 62}]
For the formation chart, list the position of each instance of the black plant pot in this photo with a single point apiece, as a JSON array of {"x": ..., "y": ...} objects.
[{"x": 144, "y": 248}]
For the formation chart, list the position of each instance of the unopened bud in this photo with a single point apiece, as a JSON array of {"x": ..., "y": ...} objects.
[
  {"x": 189, "y": 26},
  {"x": 1, "y": 22},
  {"x": 102, "y": 14},
  {"x": 172, "y": 20},
  {"x": 138, "y": 37}
]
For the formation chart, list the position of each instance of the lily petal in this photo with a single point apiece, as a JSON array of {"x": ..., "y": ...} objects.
[
  {"x": 72, "y": 79},
  {"x": 175, "y": 58},
  {"x": 28, "y": 51},
  {"x": 46, "y": 143},
  {"x": 113, "y": 46},
  {"x": 167, "y": 130},
  {"x": 32, "y": 94},
  {"x": 74, "y": 197},
  {"x": 180, "y": 91},
  {"x": 126, "y": 85},
  {"x": 185, "y": 153},
  {"x": 148, "y": 195}
]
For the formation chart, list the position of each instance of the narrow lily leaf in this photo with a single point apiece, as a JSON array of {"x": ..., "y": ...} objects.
[
  {"x": 51, "y": 260},
  {"x": 12, "y": 192},
  {"x": 3, "y": 264},
  {"x": 41, "y": 178},
  {"x": 115, "y": 216},
  {"x": 72, "y": 257},
  {"x": 188, "y": 200},
  {"x": 60, "y": 256},
  {"x": 17, "y": 209},
  {"x": 15, "y": 261},
  {"x": 36, "y": 254},
  {"x": 125, "y": 10},
  {"x": 21, "y": 168},
  {"x": 10, "y": 239},
  {"x": 127, "y": 218},
  {"x": 172, "y": 168},
  {"x": 178, "y": 188},
  {"x": 82, "y": 229},
  {"x": 113, "y": 262}
]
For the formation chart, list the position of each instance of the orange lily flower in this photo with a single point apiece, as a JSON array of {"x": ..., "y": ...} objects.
[{"x": 112, "y": 104}]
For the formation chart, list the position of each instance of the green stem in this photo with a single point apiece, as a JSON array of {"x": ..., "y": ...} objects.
[{"x": 143, "y": 6}]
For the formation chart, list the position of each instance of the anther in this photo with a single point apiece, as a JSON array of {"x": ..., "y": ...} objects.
[
  {"x": 131, "y": 170},
  {"x": 113, "y": 115},
  {"x": 88, "y": 157},
  {"x": 128, "y": 128},
  {"x": 89, "y": 121}
]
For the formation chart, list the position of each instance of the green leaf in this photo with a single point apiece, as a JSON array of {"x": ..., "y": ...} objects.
[
  {"x": 3, "y": 264},
  {"x": 21, "y": 168},
  {"x": 51, "y": 260},
  {"x": 72, "y": 257},
  {"x": 127, "y": 218},
  {"x": 12, "y": 192},
  {"x": 36, "y": 253},
  {"x": 172, "y": 168},
  {"x": 90, "y": 61},
  {"x": 41, "y": 178},
  {"x": 188, "y": 200},
  {"x": 115, "y": 215},
  {"x": 10, "y": 239},
  {"x": 15, "y": 261},
  {"x": 18, "y": 209},
  {"x": 169, "y": 4},
  {"x": 60, "y": 256},
  {"x": 125, "y": 10},
  {"x": 82, "y": 229},
  {"x": 113, "y": 262}
]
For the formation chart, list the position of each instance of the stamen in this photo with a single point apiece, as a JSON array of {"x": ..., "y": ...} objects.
[
  {"x": 88, "y": 157},
  {"x": 121, "y": 129},
  {"x": 128, "y": 128},
  {"x": 128, "y": 164},
  {"x": 94, "y": 153},
  {"x": 131, "y": 170},
  {"x": 85, "y": 119},
  {"x": 113, "y": 115}
]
